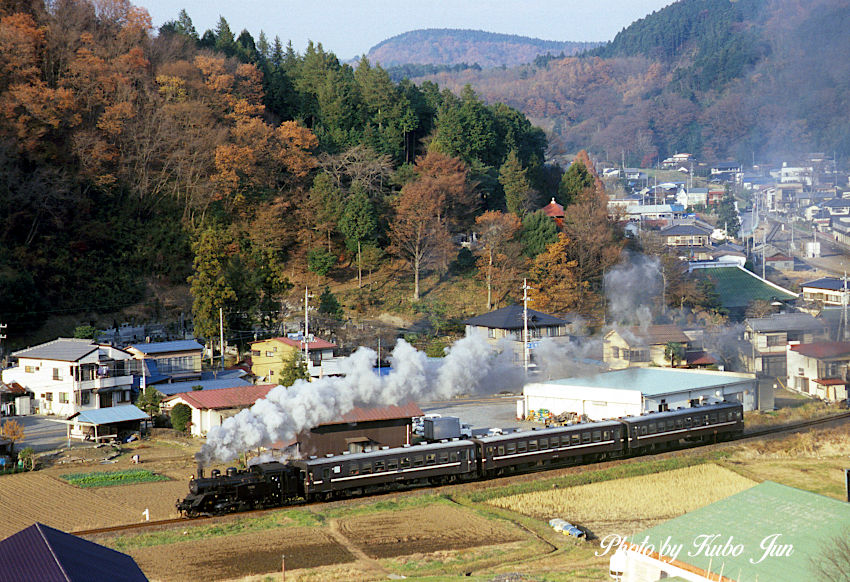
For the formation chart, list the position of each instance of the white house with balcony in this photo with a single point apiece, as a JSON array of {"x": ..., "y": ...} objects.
[{"x": 69, "y": 375}]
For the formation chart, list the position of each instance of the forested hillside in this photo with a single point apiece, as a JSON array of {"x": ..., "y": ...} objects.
[
  {"x": 134, "y": 158},
  {"x": 719, "y": 79},
  {"x": 445, "y": 46}
]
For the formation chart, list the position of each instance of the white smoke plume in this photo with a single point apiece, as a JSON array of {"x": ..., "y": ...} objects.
[
  {"x": 470, "y": 365},
  {"x": 631, "y": 288},
  {"x": 569, "y": 359}
]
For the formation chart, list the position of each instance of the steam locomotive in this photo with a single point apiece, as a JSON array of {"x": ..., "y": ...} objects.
[{"x": 324, "y": 478}]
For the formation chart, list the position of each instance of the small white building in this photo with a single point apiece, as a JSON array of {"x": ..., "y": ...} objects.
[
  {"x": 819, "y": 369},
  {"x": 635, "y": 391},
  {"x": 211, "y": 407},
  {"x": 68, "y": 375}
]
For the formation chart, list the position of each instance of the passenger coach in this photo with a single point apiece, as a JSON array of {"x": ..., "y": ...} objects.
[
  {"x": 663, "y": 430},
  {"x": 577, "y": 443},
  {"x": 435, "y": 463}
]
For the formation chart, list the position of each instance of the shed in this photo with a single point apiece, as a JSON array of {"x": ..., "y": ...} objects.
[
  {"x": 105, "y": 423},
  {"x": 41, "y": 553},
  {"x": 635, "y": 391},
  {"x": 211, "y": 407}
]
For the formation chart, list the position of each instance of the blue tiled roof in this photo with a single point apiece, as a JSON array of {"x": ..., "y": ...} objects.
[
  {"x": 175, "y": 346},
  {"x": 42, "y": 553},
  {"x": 182, "y": 387},
  {"x": 112, "y": 414}
]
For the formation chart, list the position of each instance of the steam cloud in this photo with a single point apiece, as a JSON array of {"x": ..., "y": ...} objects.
[
  {"x": 632, "y": 288},
  {"x": 470, "y": 365}
]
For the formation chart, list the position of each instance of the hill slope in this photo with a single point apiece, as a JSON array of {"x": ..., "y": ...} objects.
[
  {"x": 720, "y": 79},
  {"x": 444, "y": 46}
]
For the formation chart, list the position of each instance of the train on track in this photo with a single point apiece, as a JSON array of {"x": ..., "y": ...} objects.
[{"x": 276, "y": 484}]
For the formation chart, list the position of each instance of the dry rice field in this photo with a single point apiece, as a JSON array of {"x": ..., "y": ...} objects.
[{"x": 635, "y": 502}]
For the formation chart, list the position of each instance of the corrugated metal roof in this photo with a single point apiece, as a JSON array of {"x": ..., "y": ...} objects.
[
  {"x": 63, "y": 349},
  {"x": 112, "y": 414},
  {"x": 823, "y": 349},
  {"x": 41, "y": 553},
  {"x": 656, "y": 381},
  {"x": 225, "y": 397},
  {"x": 392, "y": 412},
  {"x": 655, "y": 334},
  {"x": 786, "y": 322},
  {"x": 181, "y": 387},
  {"x": 806, "y": 521},
  {"x": 831, "y": 283},
  {"x": 511, "y": 317},
  {"x": 162, "y": 347}
]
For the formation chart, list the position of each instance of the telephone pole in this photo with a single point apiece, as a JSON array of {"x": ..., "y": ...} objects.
[
  {"x": 525, "y": 300},
  {"x": 221, "y": 334}
]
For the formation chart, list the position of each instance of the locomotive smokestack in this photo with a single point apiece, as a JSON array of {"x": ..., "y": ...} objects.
[{"x": 200, "y": 470}]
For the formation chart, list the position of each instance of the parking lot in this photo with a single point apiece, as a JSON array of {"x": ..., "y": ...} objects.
[
  {"x": 480, "y": 413},
  {"x": 40, "y": 433}
]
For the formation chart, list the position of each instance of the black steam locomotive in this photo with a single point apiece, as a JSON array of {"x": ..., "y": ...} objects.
[{"x": 323, "y": 478}]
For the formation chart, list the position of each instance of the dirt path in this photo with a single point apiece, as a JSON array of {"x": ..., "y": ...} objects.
[{"x": 365, "y": 561}]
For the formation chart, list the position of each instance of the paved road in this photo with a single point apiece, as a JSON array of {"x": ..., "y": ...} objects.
[{"x": 42, "y": 434}]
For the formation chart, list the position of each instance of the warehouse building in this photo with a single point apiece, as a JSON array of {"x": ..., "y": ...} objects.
[{"x": 635, "y": 391}]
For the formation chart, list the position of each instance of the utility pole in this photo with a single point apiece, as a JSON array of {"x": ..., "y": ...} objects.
[
  {"x": 763, "y": 245},
  {"x": 221, "y": 334},
  {"x": 525, "y": 290},
  {"x": 844, "y": 310},
  {"x": 306, "y": 326}
]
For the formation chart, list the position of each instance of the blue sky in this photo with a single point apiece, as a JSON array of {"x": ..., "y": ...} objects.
[{"x": 350, "y": 28}]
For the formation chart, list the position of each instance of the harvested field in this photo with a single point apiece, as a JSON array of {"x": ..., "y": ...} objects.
[
  {"x": 240, "y": 555},
  {"x": 26, "y": 498},
  {"x": 635, "y": 500},
  {"x": 423, "y": 530}
]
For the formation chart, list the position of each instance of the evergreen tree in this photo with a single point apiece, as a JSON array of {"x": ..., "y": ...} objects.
[
  {"x": 727, "y": 214},
  {"x": 149, "y": 400},
  {"x": 518, "y": 193},
  {"x": 210, "y": 286},
  {"x": 294, "y": 368},
  {"x": 358, "y": 224},
  {"x": 329, "y": 305},
  {"x": 574, "y": 181},
  {"x": 181, "y": 417},
  {"x": 538, "y": 232},
  {"x": 320, "y": 261}
]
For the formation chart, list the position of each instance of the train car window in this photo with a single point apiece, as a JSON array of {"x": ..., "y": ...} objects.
[
  {"x": 353, "y": 470},
  {"x": 544, "y": 444},
  {"x": 520, "y": 447},
  {"x": 688, "y": 422},
  {"x": 713, "y": 419},
  {"x": 405, "y": 462},
  {"x": 643, "y": 430},
  {"x": 379, "y": 466},
  {"x": 651, "y": 428},
  {"x": 670, "y": 425},
  {"x": 461, "y": 455},
  {"x": 532, "y": 445},
  {"x": 430, "y": 459},
  {"x": 585, "y": 437},
  {"x": 565, "y": 440},
  {"x": 392, "y": 464},
  {"x": 418, "y": 461},
  {"x": 501, "y": 450},
  {"x": 326, "y": 474},
  {"x": 575, "y": 439},
  {"x": 366, "y": 468},
  {"x": 511, "y": 448},
  {"x": 606, "y": 435},
  {"x": 738, "y": 414},
  {"x": 597, "y": 436},
  {"x": 444, "y": 457},
  {"x": 453, "y": 456},
  {"x": 490, "y": 451},
  {"x": 678, "y": 423}
]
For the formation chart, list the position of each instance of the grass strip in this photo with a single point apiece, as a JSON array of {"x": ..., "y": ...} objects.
[{"x": 110, "y": 478}]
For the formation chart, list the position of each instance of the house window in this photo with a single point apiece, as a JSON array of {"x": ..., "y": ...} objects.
[
  {"x": 85, "y": 397},
  {"x": 56, "y": 374},
  {"x": 775, "y": 340},
  {"x": 271, "y": 373},
  {"x": 269, "y": 354},
  {"x": 255, "y": 352},
  {"x": 639, "y": 355},
  {"x": 63, "y": 397},
  {"x": 30, "y": 369},
  {"x": 48, "y": 396},
  {"x": 615, "y": 352}
]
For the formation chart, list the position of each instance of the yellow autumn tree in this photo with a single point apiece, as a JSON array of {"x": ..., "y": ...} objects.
[{"x": 554, "y": 279}]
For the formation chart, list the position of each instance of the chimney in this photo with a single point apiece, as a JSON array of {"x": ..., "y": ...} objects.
[{"x": 200, "y": 470}]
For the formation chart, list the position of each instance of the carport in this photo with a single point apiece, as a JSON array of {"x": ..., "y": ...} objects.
[{"x": 105, "y": 424}]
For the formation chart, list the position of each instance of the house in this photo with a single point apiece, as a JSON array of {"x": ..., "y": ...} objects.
[
  {"x": 826, "y": 290},
  {"x": 837, "y": 206},
  {"x": 715, "y": 196},
  {"x": 14, "y": 399},
  {"x": 169, "y": 361},
  {"x": 636, "y": 391},
  {"x": 780, "y": 262},
  {"x": 508, "y": 324},
  {"x": 660, "y": 212},
  {"x": 697, "y": 197},
  {"x": 359, "y": 430},
  {"x": 841, "y": 229},
  {"x": 769, "y": 532},
  {"x": 726, "y": 171},
  {"x": 68, "y": 375},
  {"x": 819, "y": 369},
  {"x": 686, "y": 235},
  {"x": 269, "y": 356},
  {"x": 172, "y": 388},
  {"x": 768, "y": 338},
  {"x": 641, "y": 347},
  {"x": 40, "y": 552},
  {"x": 211, "y": 407}
]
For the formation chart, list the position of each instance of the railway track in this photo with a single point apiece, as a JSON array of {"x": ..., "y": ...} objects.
[{"x": 761, "y": 432}]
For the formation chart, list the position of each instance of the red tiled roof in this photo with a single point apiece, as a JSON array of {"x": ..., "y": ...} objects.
[
  {"x": 316, "y": 344},
  {"x": 699, "y": 359},
  {"x": 13, "y": 388},
  {"x": 554, "y": 210},
  {"x": 830, "y": 382},
  {"x": 224, "y": 397},
  {"x": 392, "y": 412},
  {"x": 819, "y": 350},
  {"x": 778, "y": 258}
]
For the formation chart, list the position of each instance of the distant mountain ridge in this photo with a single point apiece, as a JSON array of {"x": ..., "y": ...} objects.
[{"x": 447, "y": 46}]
